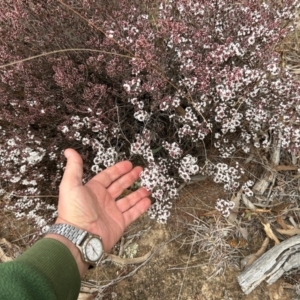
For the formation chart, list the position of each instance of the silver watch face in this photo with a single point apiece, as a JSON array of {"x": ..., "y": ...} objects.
[{"x": 93, "y": 249}]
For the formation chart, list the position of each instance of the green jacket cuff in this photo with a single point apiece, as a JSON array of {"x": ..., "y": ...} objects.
[{"x": 53, "y": 260}]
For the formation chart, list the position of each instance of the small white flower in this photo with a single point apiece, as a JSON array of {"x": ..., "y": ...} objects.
[{"x": 127, "y": 87}]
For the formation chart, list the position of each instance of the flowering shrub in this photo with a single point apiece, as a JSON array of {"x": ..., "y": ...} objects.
[{"x": 158, "y": 82}]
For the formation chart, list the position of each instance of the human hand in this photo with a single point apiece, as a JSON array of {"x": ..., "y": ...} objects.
[{"x": 93, "y": 206}]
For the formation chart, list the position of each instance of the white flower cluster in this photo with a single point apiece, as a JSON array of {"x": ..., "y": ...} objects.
[
  {"x": 232, "y": 123},
  {"x": 192, "y": 128},
  {"x": 246, "y": 188},
  {"x": 169, "y": 102},
  {"x": 21, "y": 163},
  {"x": 31, "y": 208},
  {"x": 291, "y": 138},
  {"x": 226, "y": 148},
  {"x": 160, "y": 211},
  {"x": 244, "y": 142},
  {"x": 142, "y": 145},
  {"x": 173, "y": 149},
  {"x": 240, "y": 85},
  {"x": 140, "y": 114},
  {"x": 222, "y": 53},
  {"x": 224, "y": 207},
  {"x": 224, "y": 79},
  {"x": 23, "y": 157},
  {"x": 155, "y": 178},
  {"x": 133, "y": 85},
  {"x": 32, "y": 157},
  {"x": 228, "y": 175},
  {"x": 188, "y": 166},
  {"x": 104, "y": 156}
]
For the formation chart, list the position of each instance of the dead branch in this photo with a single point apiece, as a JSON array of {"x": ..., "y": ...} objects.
[
  {"x": 270, "y": 233},
  {"x": 271, "y": 265},
  {"x": 285, "y": 168},
  {"x": 290, "y": 232}
]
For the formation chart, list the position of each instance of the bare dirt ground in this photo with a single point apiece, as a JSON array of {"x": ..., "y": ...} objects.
[
  {"x": 195, "y": 256},
  {"x": 178, "y": 268}
]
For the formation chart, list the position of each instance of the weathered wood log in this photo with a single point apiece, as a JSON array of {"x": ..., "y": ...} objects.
[
  {"x": 269, "y": 175},
  {"x": 261, "y": 185},
  {"x": 271, "y": 265}
]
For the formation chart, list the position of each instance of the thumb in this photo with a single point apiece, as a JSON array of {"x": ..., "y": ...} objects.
[{"x": 73, "y": 173}]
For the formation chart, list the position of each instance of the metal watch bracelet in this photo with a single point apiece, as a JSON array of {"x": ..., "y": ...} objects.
[
  {"x": 74, "y": 234},
  {"x": 89, "y": 245}
]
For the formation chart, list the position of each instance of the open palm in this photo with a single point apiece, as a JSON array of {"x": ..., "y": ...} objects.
[{"x": 93, "y": 206}]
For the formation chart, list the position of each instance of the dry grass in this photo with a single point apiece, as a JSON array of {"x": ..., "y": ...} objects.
[
  {"x": 19, "y": 234},
  {"x": 290, "y": 50}
]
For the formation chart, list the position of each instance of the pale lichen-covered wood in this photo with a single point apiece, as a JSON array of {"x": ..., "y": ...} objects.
[
  {"x": 272, "y": 265},
  {"x": 270, "y": 175}
]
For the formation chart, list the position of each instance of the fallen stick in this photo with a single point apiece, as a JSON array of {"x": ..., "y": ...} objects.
[
  {"x": 285, "y": 168},
  {"x": 271, "y": 265}
]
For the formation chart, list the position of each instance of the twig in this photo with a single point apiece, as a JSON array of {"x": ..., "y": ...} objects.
[
  {"x": 185, "y": 267},
  {"x": 285, "y": 168},
  {"x": 270, "y": 233},
  {"x": 289, "y": 232},
  {"x": 281, "y": 222},
  {"x": 121, "y": 246},
  {"x": 138, "y": 234},
  {"x": 61, "y": 51}
]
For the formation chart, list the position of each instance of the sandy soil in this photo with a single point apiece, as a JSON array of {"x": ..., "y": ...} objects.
[{"x": 178, "y": 269}]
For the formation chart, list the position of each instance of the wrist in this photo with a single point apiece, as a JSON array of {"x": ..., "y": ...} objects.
[{"x": 86, "y": 248}]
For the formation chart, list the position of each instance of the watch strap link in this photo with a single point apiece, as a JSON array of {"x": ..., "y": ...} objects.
[{"x": 75, "y": 235}]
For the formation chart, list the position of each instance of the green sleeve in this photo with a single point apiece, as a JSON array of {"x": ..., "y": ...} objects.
[{"x": 45, "y": 271}]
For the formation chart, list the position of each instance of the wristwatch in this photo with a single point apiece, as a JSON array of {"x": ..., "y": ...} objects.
[{"x": 89, "y": 245}]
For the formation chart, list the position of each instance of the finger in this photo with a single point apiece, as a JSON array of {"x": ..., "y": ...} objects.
[
  {"x": 111, "y": 174},
  {"x": 125, "y": 181},
  {"x": 136, "y": 211},
  {"x": 129, "y": 201},
  {"x": 73, "y": 173}
]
